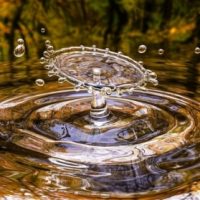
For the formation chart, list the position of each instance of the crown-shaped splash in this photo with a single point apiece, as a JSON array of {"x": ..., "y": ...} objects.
[{"x": 100, "y": 71}]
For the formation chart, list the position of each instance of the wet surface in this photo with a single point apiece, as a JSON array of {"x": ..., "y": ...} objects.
[{"x": 147, "y": 160}]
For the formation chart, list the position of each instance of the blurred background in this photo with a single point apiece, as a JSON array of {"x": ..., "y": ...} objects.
[{"x": 173, "y": 25}]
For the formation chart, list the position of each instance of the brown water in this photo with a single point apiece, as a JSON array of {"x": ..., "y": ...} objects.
[{"x": 162, "y": 166}]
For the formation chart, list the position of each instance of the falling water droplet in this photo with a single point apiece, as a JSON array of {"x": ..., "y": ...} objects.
[
  {"x": 161, "y": 51},
  {"x": 61, "y": 80},
  {"x": 142, "y": 48},
  {"x": 40, "y": 82},
  {"x": 197, "y": 50},
  {"x": 43, "y": 30},
  {"x": 20, "y": 48}
]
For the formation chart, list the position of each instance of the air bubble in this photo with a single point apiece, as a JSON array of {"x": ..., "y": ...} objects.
[
  {"x": 40, "y": 82},
  {"x": 61, "y": 79},
  {"x": 43, "y": 30},
  {"x": 197, "y": 50},
  {"x": 142, "y": 48},
  {"x": 161, "y": 51}
]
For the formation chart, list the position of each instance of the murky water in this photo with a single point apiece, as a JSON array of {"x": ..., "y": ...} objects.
[{"x": 41, "y": 158}]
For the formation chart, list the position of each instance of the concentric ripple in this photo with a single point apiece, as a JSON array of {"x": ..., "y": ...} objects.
[{"x": 151, "y": 145}]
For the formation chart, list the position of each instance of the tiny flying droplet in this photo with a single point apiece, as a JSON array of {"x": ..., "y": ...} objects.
[
  {"x": 141, "y": 63},
  {"x": 161, "y": 51},
  {"x": 40, "y": 82},
  {"x": 61, "y": 79},
  {"x": 197, "y": 50},
  {"x": 42, "y": 60},
  {"x": 43, "y": 30},
  {"x": 142, "y": 48}
]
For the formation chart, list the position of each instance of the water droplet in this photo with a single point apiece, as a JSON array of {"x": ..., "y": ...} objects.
[
  {"x": 142, "y": 48},
  {"x": 90, "y": 89},
  {"x": 77, "y": 88},
  {"x": 161, "y": 51},
  {"x": 108, "y": 90},
  {"x": 43, "y": 30},
  {"x": 19, "y": 50},
  {"x": 141, "y": 62},
  {"x": 47, "y": 42},
  {"x": 20, "y": 41},
  {"x": 61, "y": 79},
  {"x": 82, "y": 49},
  {"x": 46, "y": 54},
  {"x": 119, "y": 53},
  {"x": 40, "y": 82},
  {"x": 42, "y": 60},
  {"x": 106, "y": 51},
  {"x": 49, "y": 48},
  {"x": 94, "y": 49},
  {"x": 51, "y": 73},
  {"x": 197, "y": 50}
]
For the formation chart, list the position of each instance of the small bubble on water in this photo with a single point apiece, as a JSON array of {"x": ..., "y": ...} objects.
[
  {"x": 20, "y": 48},
  {"x": 142, "y": 48},
  {"x": 39, "y": 82},
  {"x": 161, "y": 51},
  {"x": 43, "y": 30},
  {"x": 197, "y": 50}
]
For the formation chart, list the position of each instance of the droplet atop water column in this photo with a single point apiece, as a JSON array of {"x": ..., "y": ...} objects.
[{"x": 20, "y": 48}]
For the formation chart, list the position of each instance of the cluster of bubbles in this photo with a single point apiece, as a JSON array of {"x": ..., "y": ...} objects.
[{"x": 20, "y": 48}]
